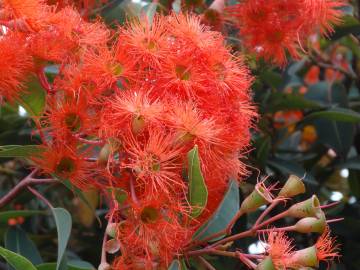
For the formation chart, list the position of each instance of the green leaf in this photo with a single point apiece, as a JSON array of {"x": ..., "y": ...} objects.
[
  {"x": 17, "y": 241},
  {"x": 80, "y": 265},
  {"x": 223, "y": 215},
  {"x": 19, "y": 150},
  {"x": 78, "y": 192},
  {"x": 335, "y": 135},
  {"x": 5, "y": 216},
  {"x": 351, "y": 164},
  {"x": 287, "y": 167},
  {"x": 272, "y": 78},
  {"x": 46, "y": 266},
  {"x": 15, "y": 260},
  {"x": 72, "y": 265},
  {"x": 281, "y": 101},
  {"x": 33, "y": 99},
  {"x": 350, "y": 25},
  {"x": 354, "y": 183},
  {"x": 336, "y": 114},
  {"x": 198, "y": 193},
  {"x": 63, "y": 223},
  {"x": 175, "y": 265}
]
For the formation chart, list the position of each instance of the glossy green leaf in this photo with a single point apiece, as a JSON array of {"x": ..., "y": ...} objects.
[
  {"x": 78, "y": 192},
  {"x": 281, "y": 101},
  {"x": 63, "y": 223},
  {"x": 46, "y": 266},
  {"x": 5, "y": 216},
  {"x": 336, "y": 114},
  {"x": 175, "y": 265},
  {"x": 16, "y": 240},
  {"x": 71, "y": 265},
  {"x": 350, "y": 25},
  {"x": 198, "y": 193},
  {"x": 287, "y": 167},
  {"x": 223, "y": 215},
  {"x": 19, "y": 150},
  {"x": 33, "y": 99},
  {"x": 79, "y": 265},
  {"x": 15, "y": 260},
  {"x": 272, "y": 78},
  {"x": 335, "y": 135}
]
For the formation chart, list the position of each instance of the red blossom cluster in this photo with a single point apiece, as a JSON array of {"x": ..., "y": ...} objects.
[
  {"x": 125, "y": 109},
  {"x": 277, "y": 28}
]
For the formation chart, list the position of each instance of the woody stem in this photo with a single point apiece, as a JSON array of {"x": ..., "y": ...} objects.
[
  {"x": 40, "y": 196},
  {"x": 26, "y": 182},
  {"x": 206, "y": 264},
  {"x": 266, "y": 212}
]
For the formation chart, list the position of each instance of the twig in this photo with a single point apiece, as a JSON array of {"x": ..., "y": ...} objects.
[
  {"x": 92, "y": 142},
  {"x": 206, "y": 264},
  {"x": 132, "y": 191},
  {"x": 27, "y": 181},
  {"x": 44, "y": 81},
  {"x": 267, "y": 211},
  {"x": 329, "y": 205},
  {"x": 41, "y": 197}
]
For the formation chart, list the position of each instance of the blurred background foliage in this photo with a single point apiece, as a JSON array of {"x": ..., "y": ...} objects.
[{"x": 309, "y": 126}]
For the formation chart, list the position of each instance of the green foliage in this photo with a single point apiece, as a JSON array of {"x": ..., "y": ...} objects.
[
  {"x": 8, "y": 151},
  {"x": 223, "y": 215},
  {"x": 198, "y": 194},
  {"x": 63, "y": 223},
  {"x": 16, "y": 240},
  {"x": 6, "y": 215},
  {"x": 15, "y": 260}
]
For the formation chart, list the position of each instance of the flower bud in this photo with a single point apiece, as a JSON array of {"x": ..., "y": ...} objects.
[
  {"x": 138, "y": 124},
  {"x": 104, "y": 266},
  {"x": 293, "y": 186},
  {"x": 104, "y": 155},
  {"x": 306, "y": 257},
  {"x": 111, "y": 229},
  {"x": 259, "y": 197},
  {"x": 307, "y": 208},
  {"x": 311, "y": 224},
  {"x": 112, "y": 246},
  {"x": 266, "y": 264}
]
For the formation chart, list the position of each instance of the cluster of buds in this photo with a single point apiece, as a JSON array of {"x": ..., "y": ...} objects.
[{"x": 280, "y": 250}]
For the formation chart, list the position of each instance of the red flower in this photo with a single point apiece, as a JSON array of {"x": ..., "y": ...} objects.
[
  {"x": 326, "y": 247},
  {"x": 15, "y": 65},
  {"x": 154, "y": 229},
  {"x": 145, "y": 43},
  {"x": 67, "y": 162},
  {"x": 280, "y": 248},
  {"x": 69, "y": 116},
  {"x": 31, "y": 12},
  {"x": 130, "y": 111},
  {"x": 156, "y": 162},
  {"x": 272, "y": 29}
]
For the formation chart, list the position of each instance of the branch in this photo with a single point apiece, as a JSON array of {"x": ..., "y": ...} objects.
[
  {"x": 206, "y": 264},
  {"x": 40, "y": 196},
  {"x": 26, "y": 182}
]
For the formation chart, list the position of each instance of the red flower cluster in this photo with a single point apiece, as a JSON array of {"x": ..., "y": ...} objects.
[
  {"x": 273, "y": 29},
  {"x": 125, "y": 109}
]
